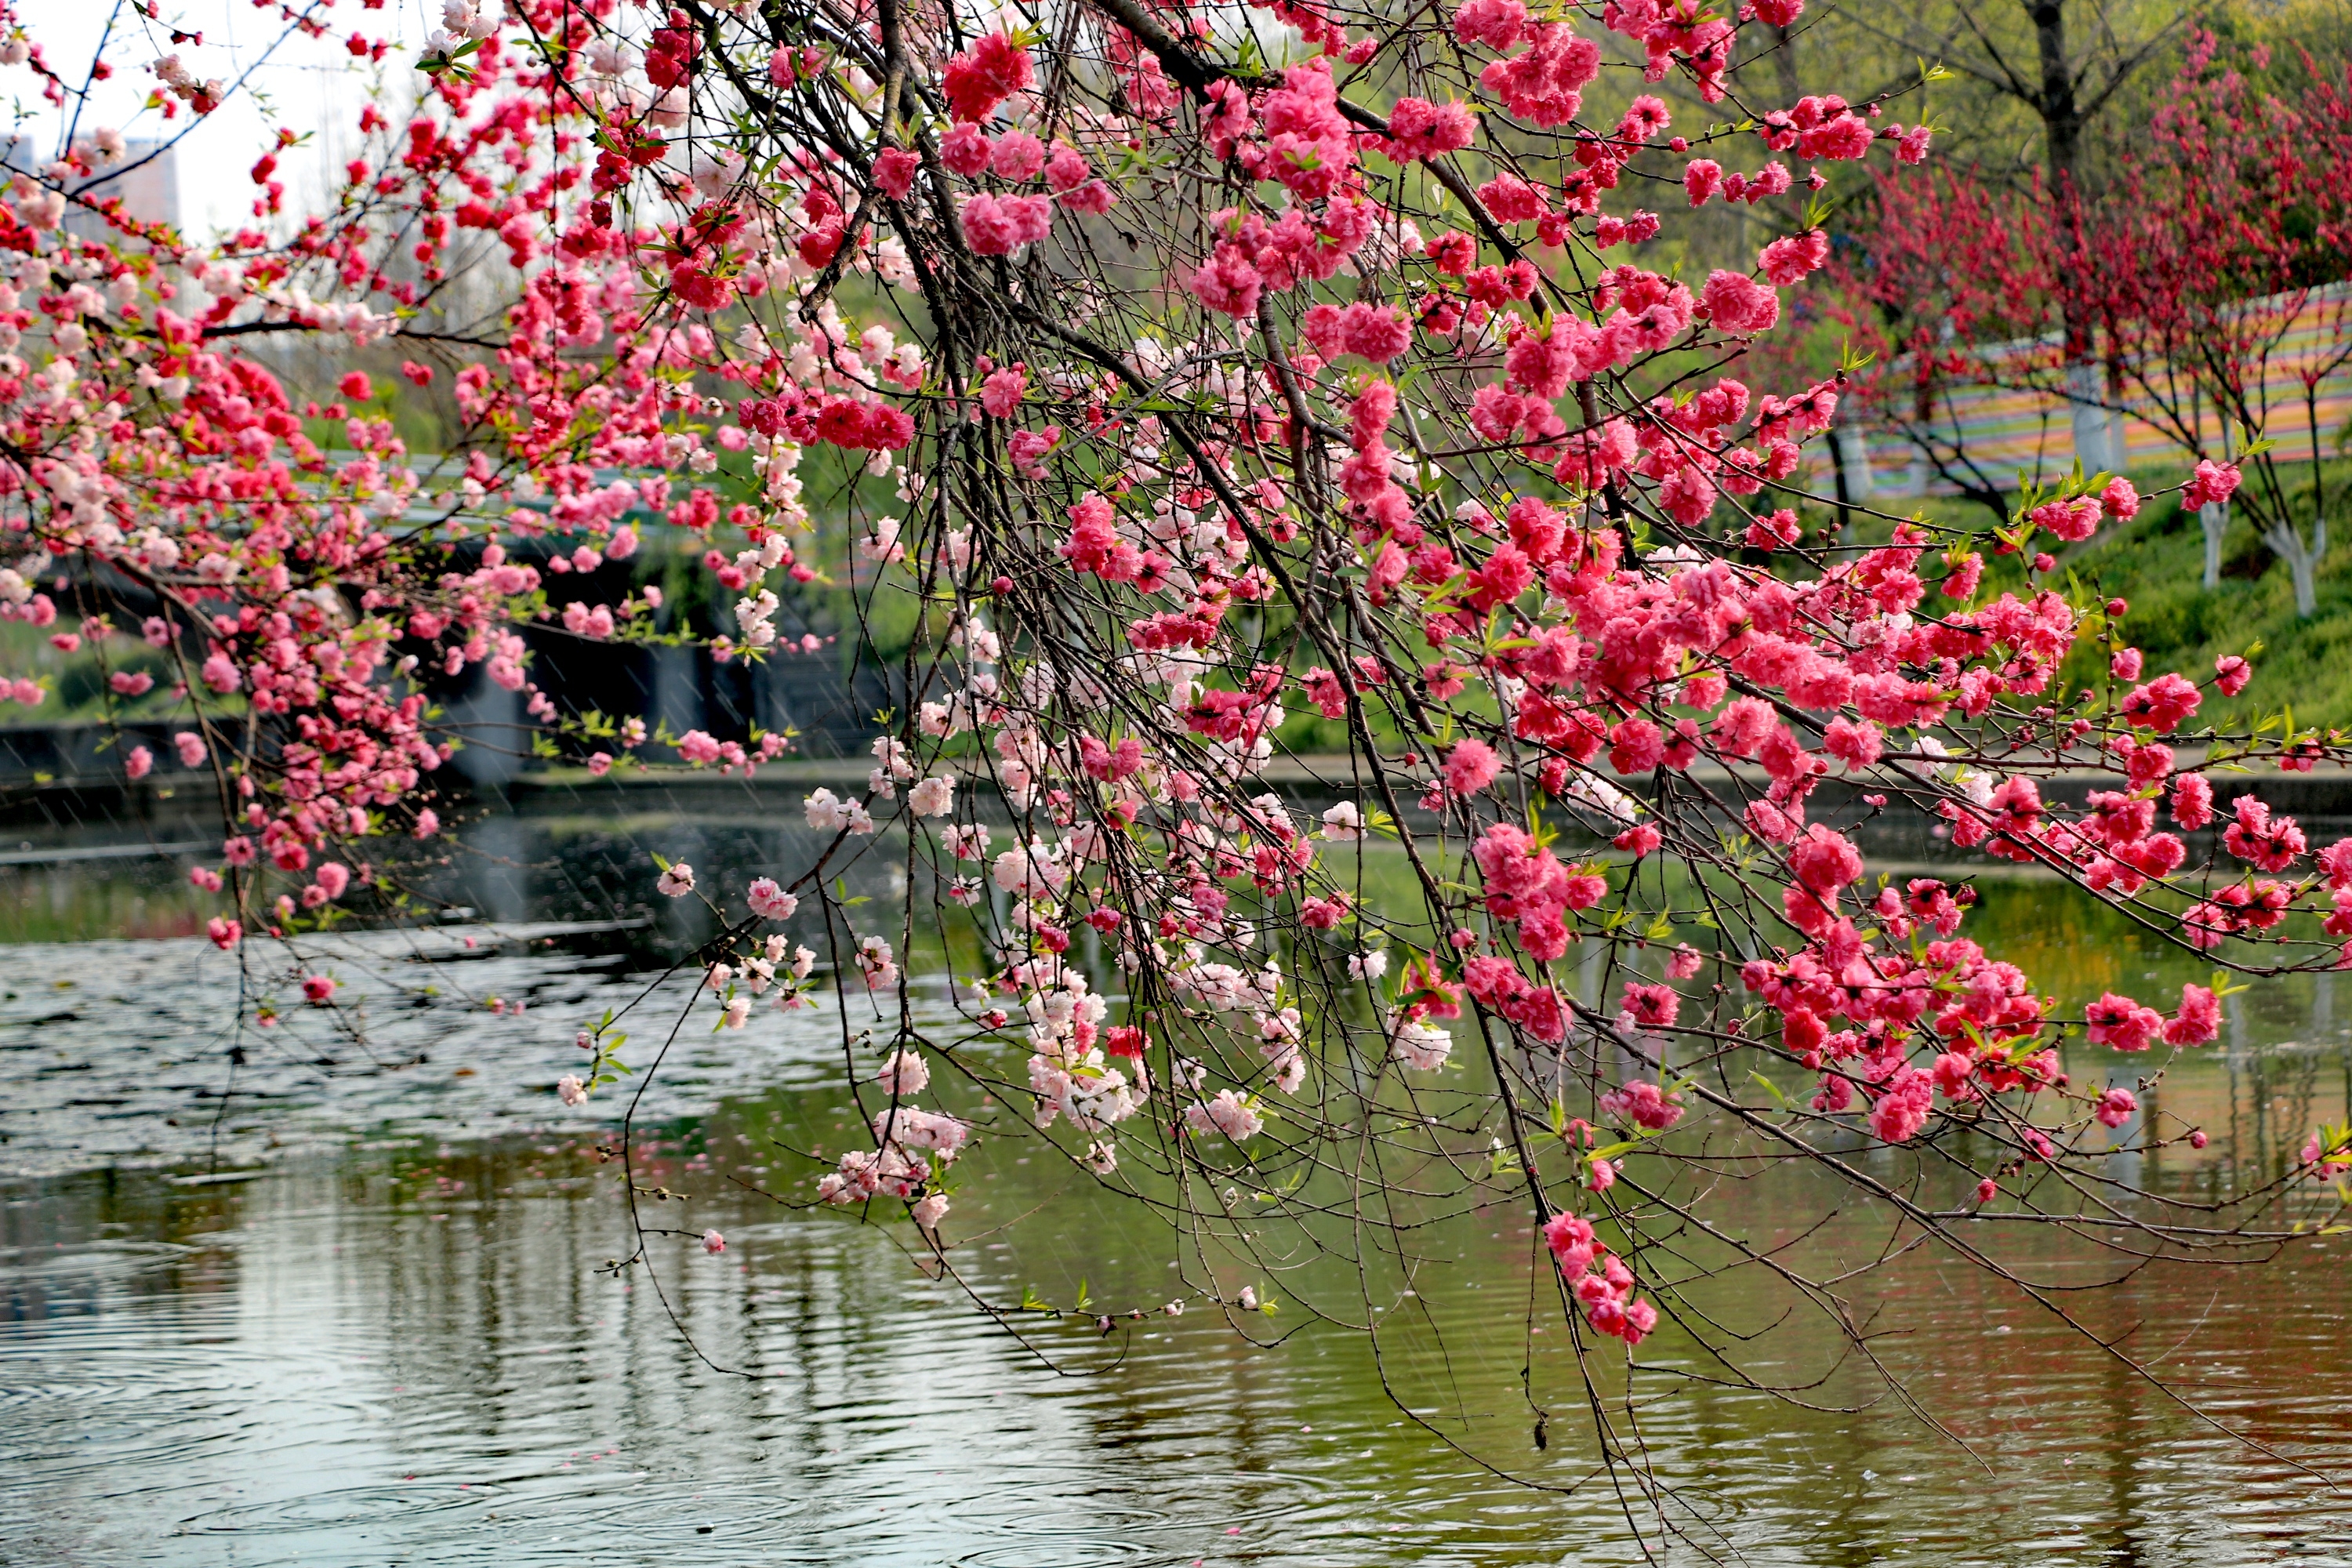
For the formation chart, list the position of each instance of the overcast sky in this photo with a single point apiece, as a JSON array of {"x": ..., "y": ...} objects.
[{"x": 310, "y": 86}]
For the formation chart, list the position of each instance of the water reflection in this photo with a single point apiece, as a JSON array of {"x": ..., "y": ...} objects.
[
  {"x": 406, "y": 1354},
  {"x": 397, "y": 1345}
]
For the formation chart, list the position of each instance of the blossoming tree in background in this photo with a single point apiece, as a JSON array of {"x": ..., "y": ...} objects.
[
  {"x": 1189, "y": 370},
  {"x": 2206, "y": 277}
]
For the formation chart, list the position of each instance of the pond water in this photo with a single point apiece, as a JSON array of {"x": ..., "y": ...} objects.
[{"x": 388, "y": 1337}]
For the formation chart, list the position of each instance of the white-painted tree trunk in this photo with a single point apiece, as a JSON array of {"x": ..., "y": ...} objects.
[
  {"x": 2302, "y": 561},
  {"x": 2091, "y": 443},
  {"x": 1853, "y": 452},
  {"x": 1916, "y": 478},
  {"x": 2213, "y": 517}
]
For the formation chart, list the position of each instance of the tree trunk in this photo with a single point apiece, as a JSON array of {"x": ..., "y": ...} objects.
[
  {"x": 2061, "y": 139},
  {"x": 2118, "y": 439},
  {"x": 2061, "y": 117},
  {"x": 1837, "y": 476},
  {"x": 1854, "y": 462},
  {"x": 2089, "y": 419},
  {"x": 2213, "y": 517},
  {"x": 2302, "y": 561},
  {"x": 1784, "y": 60}
]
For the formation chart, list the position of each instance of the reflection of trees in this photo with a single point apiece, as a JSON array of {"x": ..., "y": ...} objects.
[{"x": 514, "y": 1351}]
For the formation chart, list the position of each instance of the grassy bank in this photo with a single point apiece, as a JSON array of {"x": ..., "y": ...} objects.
[{"x": 2156, "y": 562}]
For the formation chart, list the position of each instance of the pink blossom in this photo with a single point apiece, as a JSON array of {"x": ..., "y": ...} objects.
[
  {"x": 1470, "y": 767},
  {"x": 1688, "y": 495},
  {"x": 1497, "y": 23},
  {"x": 770, "y": 901},
  {"x": 965, "y": 149},
  {"x": 1378, "y": 333},
  {"x": 1901, "y": 1111},
  {"x": 1001, "y": 393},
  {"x": 1737, "y": 304},
  {"x": 1640, "y": 840},
  {"x": 1635, "y": 746},
  {"x": 1067, "y": 169},
  {"x": 894, "y": 172},
  {"x": 875, "y": 963},
  {"x": 2212, "y": 485},
  {"x": 1788, "y": 261},
  {"x": 1419, "y": 129},
  {"x": 984, "y": 75},
  {"x": 999, "y": 226},
  {"x": 1640, "y": 1101},
  {"x": 2123, "y": 1024},
  {"x": 905, "y": 1074},
  {"x": 1017, "y": 156},
  {"x": 2193, "y": 800},
  {"x": 1542, "y": 85},
  {"x": 1227, "y": 282},
  {"x": 2073, "y": 521},
  {"x": 932, "y": 796},
  {"x": 2163, "y": 704},
  {"x": 1823, "y": 860},
  {"x": 1229, "y": 1114}
]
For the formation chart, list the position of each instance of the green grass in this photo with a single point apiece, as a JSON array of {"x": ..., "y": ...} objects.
[
  {"x": 2156, "y": 564},
  {"x": 2306, "y": 664}
]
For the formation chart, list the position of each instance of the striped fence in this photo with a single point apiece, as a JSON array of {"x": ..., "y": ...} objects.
[{"x": 2004, "y": 430}]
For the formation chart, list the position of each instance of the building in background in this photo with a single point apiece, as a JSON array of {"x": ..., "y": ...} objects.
[
  {"x": 146, "y": 177},
  {"x": 148, "y": 183}
]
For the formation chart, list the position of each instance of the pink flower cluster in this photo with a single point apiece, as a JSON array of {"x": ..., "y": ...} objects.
[{"x": 1599, "y": 1281}]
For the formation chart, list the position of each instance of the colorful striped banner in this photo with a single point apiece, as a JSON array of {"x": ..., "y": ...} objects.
[{"x": 2001, "y": 429}]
